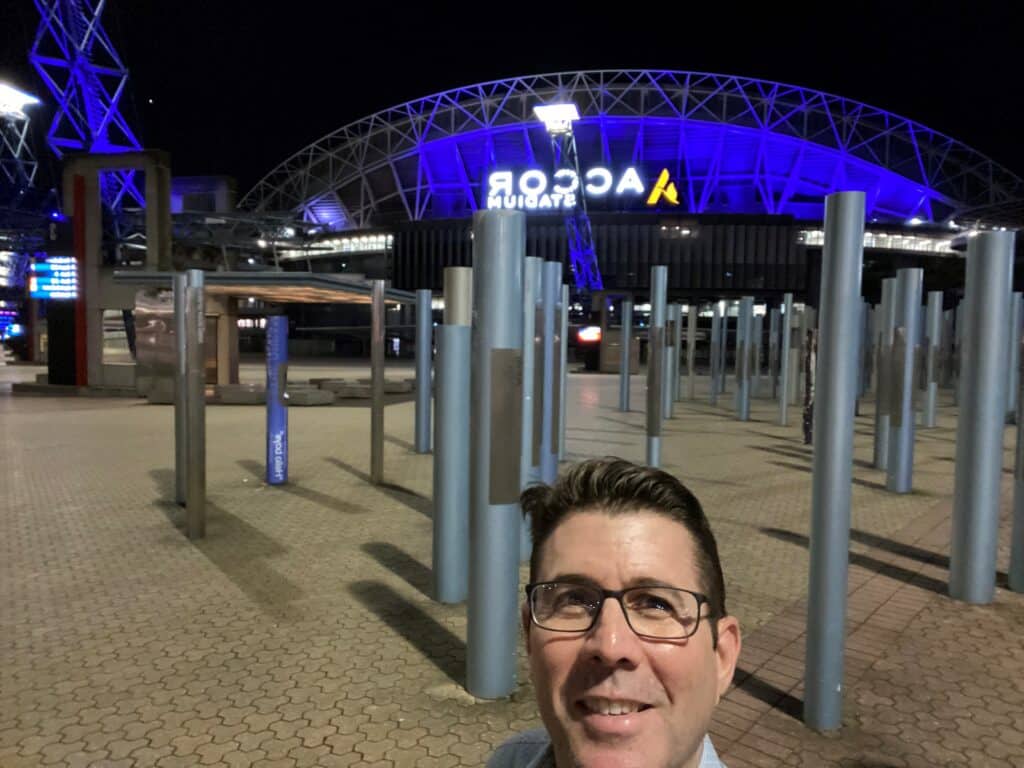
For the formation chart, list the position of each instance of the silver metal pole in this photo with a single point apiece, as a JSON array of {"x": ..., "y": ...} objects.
[
  {"x": 691, "y": 352},
  {"x": 677, "y": 343},
  {"x": 180, "y": 390},
  {"x": 958, "y": 324},
  {"x": 1013, "y": 356},
  {"x": 979, "y": 430},
  {"x": 773, "y": 350},
  {"x": 529, "y": 468},
  {"x": 531, "y": 293},
  {"x": 744, "y": 327},
  {"x": 551, "y": 281},
  {"x": 377, "y": 382},
  {"x": 865, "y": 347},
  {"x": 624, "y": 369},
  {"x": 671, "y": 355},
  {"x": 931, "y": 366},
  {"x": 716, "y": 350},
  {"x": 655, "y": 362},
  {"x": 787, "y": 336},
  {"x": 755, "y": 356},
  {"x": 834, "y": 395},
  {"x": 883, "y": 376},
  {"x": 195, "y": 373},
  {"x": 907, "y": 302},
  {"x": 451, "y": 441},
  {"x": 492, "y": 612},
  {"x": 723, "y": 355},
  {"x": 948, "y": 320},
  {"x": 424, "y": 355},
  {"x": 563, "y": 367}
]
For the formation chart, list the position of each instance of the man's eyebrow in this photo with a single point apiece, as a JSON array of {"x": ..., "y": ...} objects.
[
  {"x": 575, "y": 578},
  {"x": 643, "y": 581}
]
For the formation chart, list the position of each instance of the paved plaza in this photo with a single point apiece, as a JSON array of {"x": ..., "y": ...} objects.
[{"x": 301, "y": 631}]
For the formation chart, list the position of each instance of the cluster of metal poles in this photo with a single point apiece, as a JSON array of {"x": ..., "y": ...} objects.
[{"x": 500, "y": 402}]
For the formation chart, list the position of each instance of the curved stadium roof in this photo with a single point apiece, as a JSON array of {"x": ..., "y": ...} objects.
[{"x": 733, "y": 145}]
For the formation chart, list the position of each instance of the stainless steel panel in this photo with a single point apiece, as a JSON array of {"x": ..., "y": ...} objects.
[{"x": 506, "y": 420}]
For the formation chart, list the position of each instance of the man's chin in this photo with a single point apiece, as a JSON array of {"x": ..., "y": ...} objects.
[
  {"x": 626, "y": 754},
  {"x": 609, "y": 745}
]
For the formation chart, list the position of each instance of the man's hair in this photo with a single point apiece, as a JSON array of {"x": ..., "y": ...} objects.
[{"x": 615, "y": 486}]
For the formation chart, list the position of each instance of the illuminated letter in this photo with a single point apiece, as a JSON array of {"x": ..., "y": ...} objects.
[
  {"x": 533, "y": 183},
  {"x": 500, "y": 183},
  {"x": 545, "y": 201},
  {"x": 664, "y": 188},
  {"x": 573, "y": 181},
  {"x": 630, "y": 182},
  {"x": 603, "y": 186}
]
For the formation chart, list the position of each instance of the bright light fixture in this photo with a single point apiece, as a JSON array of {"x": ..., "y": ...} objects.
[
  {"x": 13, "y": 101},
  {"x": 557, "y": 118}
]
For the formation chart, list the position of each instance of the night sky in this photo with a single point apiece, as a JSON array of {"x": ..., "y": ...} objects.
[{"x": 232, "y": 87}]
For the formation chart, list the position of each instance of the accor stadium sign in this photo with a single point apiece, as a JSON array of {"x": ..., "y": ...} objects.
[{"x": 536, "y": 190}]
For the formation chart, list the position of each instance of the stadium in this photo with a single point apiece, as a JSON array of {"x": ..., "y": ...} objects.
[{"x": 722, "y": 178}]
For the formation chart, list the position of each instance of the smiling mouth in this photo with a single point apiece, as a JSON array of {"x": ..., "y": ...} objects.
[{"x": 597, "y": 705}]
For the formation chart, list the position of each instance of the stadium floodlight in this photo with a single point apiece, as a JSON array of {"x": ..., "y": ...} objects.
[
  {"x": 557, "y": 118},
  {"x": 13, "y": 102}
]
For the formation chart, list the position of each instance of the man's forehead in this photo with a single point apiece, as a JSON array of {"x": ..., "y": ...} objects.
[{"x": 658, "y": 545}]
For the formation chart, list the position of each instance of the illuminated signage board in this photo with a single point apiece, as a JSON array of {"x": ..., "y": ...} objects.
[
  {"x": 7, "y": 269},
  {"x": 537, "y": 190},
  {"x": 54, "y": 278}
]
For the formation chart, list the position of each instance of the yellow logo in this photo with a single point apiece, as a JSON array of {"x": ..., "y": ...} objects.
[{"x": 664, "y": 188}]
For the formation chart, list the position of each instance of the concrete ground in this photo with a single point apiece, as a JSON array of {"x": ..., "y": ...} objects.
[{"x": 301, "y": 631}]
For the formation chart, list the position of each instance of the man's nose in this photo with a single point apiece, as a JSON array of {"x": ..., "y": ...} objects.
[{"x": 611, "y": 640}]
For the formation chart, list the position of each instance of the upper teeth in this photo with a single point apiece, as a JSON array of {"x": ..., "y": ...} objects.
[{"x": 611, "y": 706}]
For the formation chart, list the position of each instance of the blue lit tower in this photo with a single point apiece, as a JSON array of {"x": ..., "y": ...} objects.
[
  {"x": 558, "y": 119},
  {"x": 76, "y": 59}
]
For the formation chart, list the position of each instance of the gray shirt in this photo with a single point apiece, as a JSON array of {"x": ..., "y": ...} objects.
[{"x": 532, "y": 749}]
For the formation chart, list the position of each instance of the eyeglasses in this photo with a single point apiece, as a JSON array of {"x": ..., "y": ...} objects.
[{"x": 661, "y": 613}]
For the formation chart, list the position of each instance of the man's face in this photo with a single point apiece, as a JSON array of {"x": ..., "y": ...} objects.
[{"x": 673, "y": 685}]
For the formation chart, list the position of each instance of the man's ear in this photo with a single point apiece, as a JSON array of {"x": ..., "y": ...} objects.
[
  {"x": 524, "y": 616},
  {"x": 728, "y": 652}
]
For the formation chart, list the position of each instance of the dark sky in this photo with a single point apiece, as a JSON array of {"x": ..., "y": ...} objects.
[{"x": 238, "y": 86}]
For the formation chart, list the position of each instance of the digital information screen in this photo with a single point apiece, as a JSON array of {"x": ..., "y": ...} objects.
[{"x": 54, "y": 277}]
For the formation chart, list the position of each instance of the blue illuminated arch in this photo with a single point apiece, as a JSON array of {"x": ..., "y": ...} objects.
[{"x": 734, "y": 145}]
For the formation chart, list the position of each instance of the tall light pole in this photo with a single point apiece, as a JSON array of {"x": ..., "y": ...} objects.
[{"x": 558, "y": 119}]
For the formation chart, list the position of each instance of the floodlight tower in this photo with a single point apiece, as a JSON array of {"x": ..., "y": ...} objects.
[
  {"x": 17, "y": 163},
  {"x": 558, "y": 119},
  {"x": 79, "y": 64}
]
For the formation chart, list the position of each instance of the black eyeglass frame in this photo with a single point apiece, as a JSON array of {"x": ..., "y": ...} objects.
[{"x": 702, "y": 600}]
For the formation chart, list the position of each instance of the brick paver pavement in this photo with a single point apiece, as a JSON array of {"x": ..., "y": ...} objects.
[{"x": 300, "y": 632}]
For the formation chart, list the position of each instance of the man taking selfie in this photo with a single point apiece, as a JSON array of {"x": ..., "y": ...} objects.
[{"x": 629, "y": 642}]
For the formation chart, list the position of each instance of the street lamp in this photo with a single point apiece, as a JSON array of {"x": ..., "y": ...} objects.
[
  {"x": 557, "y": 118},
  {"x": 13, "y": 102}
]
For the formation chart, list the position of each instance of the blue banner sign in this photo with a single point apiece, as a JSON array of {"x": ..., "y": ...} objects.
[{"x": 277, "y": 399}]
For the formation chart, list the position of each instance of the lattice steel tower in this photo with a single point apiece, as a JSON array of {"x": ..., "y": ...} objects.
[
  {"x": 18, "y": 164},
  {"x": 558, "y": 119},
  {"x": 76, "y": 59}
]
